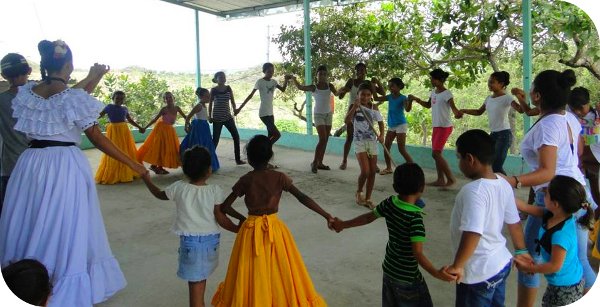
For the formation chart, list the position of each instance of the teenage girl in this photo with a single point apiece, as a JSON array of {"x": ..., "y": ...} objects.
[
  {"x": 265, "y": 267},
  {"x": 557, "y": 240},
  {"x": 441, "y": 103},
  {"x": 161, "y": 148},
  {"x": 362, "y": 116},
  {"x": 111, "y": 171},
  {"x": 397, "y": 124},
  {"x": 198, "y": 133},
  {"x": 220, "y": 115},
  {"x": 498, "y": 105},
  {"x": 323, "y": 114}
]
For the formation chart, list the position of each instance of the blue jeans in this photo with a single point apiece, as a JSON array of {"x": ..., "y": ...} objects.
[
  {"x": 502, "y": 139},
  {"x": 399, "y": 294},
  {"x": 490, "y": 292}
]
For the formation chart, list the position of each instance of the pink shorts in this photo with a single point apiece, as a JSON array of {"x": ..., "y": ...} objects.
[{"x": 439, "y": 137}]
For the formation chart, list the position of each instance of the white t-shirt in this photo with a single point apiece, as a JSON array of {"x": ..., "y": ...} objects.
[
  {"x": 552, "y": 130},
  {"x": 322, "y": 100},
  {"x": 497, "y": 109},
  {"x": 266, "y": 89},
  {"x": 440, "y": 109},
  {"x": 195, "y": 208},
  {"x": 483, "y": 206}
]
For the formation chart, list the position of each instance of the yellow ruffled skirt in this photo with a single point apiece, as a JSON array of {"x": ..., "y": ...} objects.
[
  {"x": 111, "y": 171},
  {"x": 161, "y": 148},
  {"x": 266, "y": 269}
]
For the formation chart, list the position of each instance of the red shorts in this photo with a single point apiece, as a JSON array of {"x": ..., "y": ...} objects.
[{"x": 439, "y": 137}]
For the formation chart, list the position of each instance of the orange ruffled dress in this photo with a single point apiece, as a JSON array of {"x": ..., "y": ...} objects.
[
  {"x": 161, "y": 148},
  {"x": 266, "y": 269},
  {"x": 111, "y": 171}
]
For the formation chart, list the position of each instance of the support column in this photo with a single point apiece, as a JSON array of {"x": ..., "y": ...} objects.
[
  {"x": 527, "y": 58},
  {"x": 198, "y": 75},
  {"x": 307, "y": 67}
]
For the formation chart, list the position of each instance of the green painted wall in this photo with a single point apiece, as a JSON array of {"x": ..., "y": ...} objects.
[{"x": 335, "y": 146}]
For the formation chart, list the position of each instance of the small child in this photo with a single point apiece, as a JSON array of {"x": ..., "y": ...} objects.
[
  {"x": 265, "y": 267},
  {"x": 557, "y": 240},
  {"x": 161, "y": 148},
  {"x": 266, "y": 88},
  {"x": 403, "y": 284},
  {"x": 197, "y": 220},
  {"x": 111, "y": 171},
  {"x": 441, "y": 102},
  {"x": 15, "y": 70},
  {"x": 362, "y": 117},
  {"x": 482, "y": 207},
  {"x": 397, "y": 124},
  {"x": 199, "y": 131},
  {"x": 28, "y": 279}
]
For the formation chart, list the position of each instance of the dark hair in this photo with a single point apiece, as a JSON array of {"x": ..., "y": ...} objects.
[
  {"x": 360, "y": 64},
  {"x": 14, "y": 65},
  {"x": 259, "y": 151},
  {"x": 200, "y": 91},
  {"x": 571, "y": 197},
  {"x": 366, "y": 85},
  {"x": 502, "y": 77},
  {"x": 479, "y": 144},
  {"x": 554, "y": 88},
  {"x": 439, "y": 74},
  {"x": 580, "y": 96},
  {"x": 398, "y": 82},
  {"x": 115, "y": 93},
  {"x": 196, "y": 161},
  {"x": 28, "y": 279},
  {"x": 53, "y": 61},
  {"x": 267, "y": 66},
  {"x": 321, "y": 68},
  {"x": 219, "y": 73},
  {"x": 409, "y": 179}
]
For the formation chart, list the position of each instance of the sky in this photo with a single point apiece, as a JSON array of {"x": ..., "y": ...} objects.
[{"x": 149, "y": 33}]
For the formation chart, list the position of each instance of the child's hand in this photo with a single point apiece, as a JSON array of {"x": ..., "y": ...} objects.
[
  {"x": 458, "y": 114},
  {"x": 442, "y": 274},
  {"x": 380, "y": 138},
  {"x": 523, "y": 264},
  {"x": 338, "y": 225},
  {"x": 288, "y": 77},
  {"x": 458, "y": 273},
  {"x": 146, "y": 176},
  {"x": 142, "y": 130}
]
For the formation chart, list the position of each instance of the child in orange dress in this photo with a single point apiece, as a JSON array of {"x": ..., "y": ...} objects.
[
  {"x": 161, "y": 148},
  {"x": 265, "y": 268}
]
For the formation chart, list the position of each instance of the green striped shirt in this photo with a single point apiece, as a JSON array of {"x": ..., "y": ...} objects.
[{"x": 405, "y": 225}]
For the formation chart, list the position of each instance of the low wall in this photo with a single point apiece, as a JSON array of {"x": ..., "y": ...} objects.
[{"x": 335, "y": 146}]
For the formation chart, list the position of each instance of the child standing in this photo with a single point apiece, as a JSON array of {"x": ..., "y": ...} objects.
[
  {"x": 323, "y": 114},
  {"x": 557, "y": 240},
  {"x": 498, "y": 105},
  {"x": 196, "y": 222},
  {"x": 397, "y": 124},
  {"x": 441, "y": 102},
  {"x": 111, "y": 171},
  {"x": 266, "y": 88},
  {"x": 199, "y": 131},
  {"x": 362, "y": 116},
  {"x": 265, "y": 267},
  {"x": 482, "y": 207},
  {"x": 15, "y": 70},
  {"x": 403, "y": 284},
  {"x": 161, "y": 148}
]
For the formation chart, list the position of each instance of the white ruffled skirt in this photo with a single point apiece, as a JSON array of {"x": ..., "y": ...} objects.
[{"x": 51, "y": 213}]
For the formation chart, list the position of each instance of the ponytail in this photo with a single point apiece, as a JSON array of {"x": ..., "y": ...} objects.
[{"x": 587, "y": 220}]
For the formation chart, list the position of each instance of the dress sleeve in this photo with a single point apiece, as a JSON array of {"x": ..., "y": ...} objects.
[{"x": 170, "y": 191}]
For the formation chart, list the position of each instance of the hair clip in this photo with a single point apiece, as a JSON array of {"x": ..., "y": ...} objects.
[
  {"x": 585, "y": 205},
  {"x": 60, "y": 49}
]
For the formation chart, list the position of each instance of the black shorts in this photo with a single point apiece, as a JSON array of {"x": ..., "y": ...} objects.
[{"x": 269, "y": 121}]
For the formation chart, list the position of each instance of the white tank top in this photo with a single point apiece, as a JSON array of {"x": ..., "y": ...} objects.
[
  {"x": 322, "y": 99},
  {"x": 203, "y": 114},
  {"x": 353, "y": 95}
]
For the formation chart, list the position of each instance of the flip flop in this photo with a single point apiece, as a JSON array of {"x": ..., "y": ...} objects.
[
  {"x": 369, "y": 204},
  {"x": 385, "y": 172},
  {"x": 359, "y": 199}
]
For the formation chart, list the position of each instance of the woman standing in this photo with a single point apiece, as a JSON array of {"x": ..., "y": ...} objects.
[{"x": 56, "y": 219}]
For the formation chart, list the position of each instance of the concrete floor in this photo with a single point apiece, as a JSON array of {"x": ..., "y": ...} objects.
[{"x": 345, "y": 267}]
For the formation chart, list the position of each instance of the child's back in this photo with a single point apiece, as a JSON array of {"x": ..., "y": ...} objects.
[
  {"x": 262, "y": 190},
  {"x": 195, "y": 207}
]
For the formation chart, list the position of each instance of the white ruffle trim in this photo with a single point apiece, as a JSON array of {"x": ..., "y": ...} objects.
[{"x": 55, "y": 115}]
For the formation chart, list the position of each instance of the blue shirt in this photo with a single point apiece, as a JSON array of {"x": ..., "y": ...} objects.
[
  {"x": 396, "y": 110},
  {"x": 116, "y": 114},
  {"x": 571, "y": 271}
]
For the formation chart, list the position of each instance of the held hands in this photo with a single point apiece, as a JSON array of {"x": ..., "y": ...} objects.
[
  {"x": 142, "y": 130},
  {"x": 337, "y": 225},
  {"x": 524, "y": 263},
  {"x": 458, "y": 273},
  {"x": 519, "y": 93},
  {"x": 289, "y": 77},
  {"x": 459, "y": 114},
  {"x": 442, "y": 274}
]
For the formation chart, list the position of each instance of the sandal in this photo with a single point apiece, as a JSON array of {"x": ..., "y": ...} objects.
[
  {"x": 386, "y": 171},
  {"x": 359, "y": 199},
  {"x": 161, "y": 171},
  {"x": 154, "y": 169},
  {"x": 324, "y": 167},
  {"x": 369, "y": 204}
]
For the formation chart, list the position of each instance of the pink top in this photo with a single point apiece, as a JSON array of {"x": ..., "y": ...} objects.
[{"x": 169, "y": 118}]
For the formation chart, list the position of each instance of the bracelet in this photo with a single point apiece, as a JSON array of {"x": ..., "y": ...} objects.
[{"x": 521, "y": 251}]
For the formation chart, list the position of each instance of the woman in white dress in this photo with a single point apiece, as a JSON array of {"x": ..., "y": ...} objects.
[{"x": 51, "y": 212}]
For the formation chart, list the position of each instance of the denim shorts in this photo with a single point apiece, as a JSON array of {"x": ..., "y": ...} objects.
[
  {"x": 489, "y": 292},
  {"x": 198, "y": 256},
  {"x": 399, "y": 294}
]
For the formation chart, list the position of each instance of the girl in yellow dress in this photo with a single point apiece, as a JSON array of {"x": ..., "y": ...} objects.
[
  {"x": 111, "y": 171},
  {"x": 161, "y": 148},
  {"x": 265, "y": 267}
]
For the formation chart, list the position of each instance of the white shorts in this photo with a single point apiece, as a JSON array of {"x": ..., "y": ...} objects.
[
  {"x": 323, "y": 119},
  {"x": 368, "y": 146},
  {"x": 402, "y": 128}
]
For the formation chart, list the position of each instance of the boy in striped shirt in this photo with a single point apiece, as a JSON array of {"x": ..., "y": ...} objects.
[{"x": 403, "y": 284}]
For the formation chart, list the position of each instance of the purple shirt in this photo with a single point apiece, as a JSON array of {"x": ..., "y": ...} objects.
[{"x": 116, "y": 114}]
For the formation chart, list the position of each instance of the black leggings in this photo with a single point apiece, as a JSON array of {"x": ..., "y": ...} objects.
[{"x": 230, "y": 125}]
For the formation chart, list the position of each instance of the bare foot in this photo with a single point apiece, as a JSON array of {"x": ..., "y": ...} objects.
[
  {"x": 343, "y": 166},
  {"x": 437, "y": 183},
  {"x": 448, "y": 186}
]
